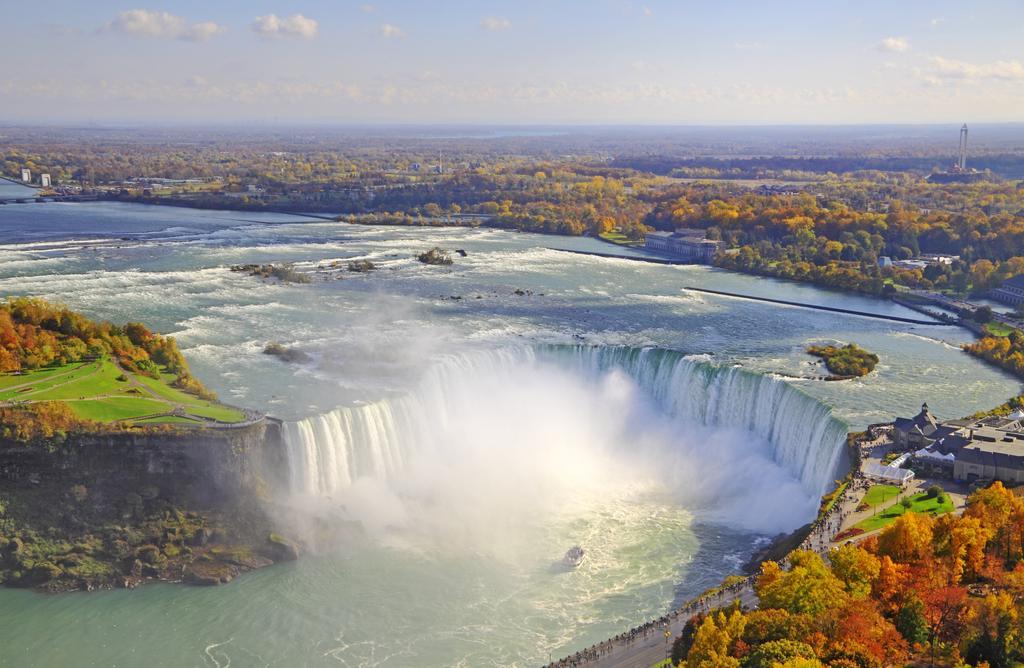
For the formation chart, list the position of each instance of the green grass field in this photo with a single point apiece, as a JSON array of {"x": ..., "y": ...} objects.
[
  {"x": 878, "y": 494},
  {"x": 998, "y": 329},
  {"x": 920, "y": 503},
  {"x": 102, "y": 391},
  {"x": 620, "y": 239},
  {"x": 8, "y": 380}
]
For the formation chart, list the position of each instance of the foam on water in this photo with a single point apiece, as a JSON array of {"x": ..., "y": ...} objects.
[{"x": 713, "y": 436}]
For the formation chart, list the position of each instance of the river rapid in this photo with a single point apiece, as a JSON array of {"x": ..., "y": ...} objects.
[{"x": 471, "y": 422}]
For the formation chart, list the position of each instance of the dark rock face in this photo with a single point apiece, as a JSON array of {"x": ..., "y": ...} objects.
[
  {"x": 204, "y": 464},
  {"x": 280, "y": 548},
  {"x": 117, "y": 509}
]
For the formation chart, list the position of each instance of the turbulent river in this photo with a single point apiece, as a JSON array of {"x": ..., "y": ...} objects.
[{"x": 466, "y": 425}]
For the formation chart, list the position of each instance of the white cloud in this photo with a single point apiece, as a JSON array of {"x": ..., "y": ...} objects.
[
  {"x": 496, "y": 23},
  {"x": 747, "y": 46},
  {"x": 367, "y": 9},
  {"x": 296, "y": 25},
  {"x": 647, "y": 11},
  {"x": 200, "y": 32},
  {"x": 164, "y": 25},
  {"x": 1000, "y": 70},
  {"x": 894, "y": 44},
  {"x": 937, "y": 22},
  {"x": 388, "y": 30}
]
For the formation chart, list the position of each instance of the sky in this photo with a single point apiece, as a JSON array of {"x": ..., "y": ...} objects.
[{"x": 665, "y": 62}]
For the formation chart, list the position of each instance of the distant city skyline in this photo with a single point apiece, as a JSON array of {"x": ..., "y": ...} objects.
[{"x": 526, "y": 62}]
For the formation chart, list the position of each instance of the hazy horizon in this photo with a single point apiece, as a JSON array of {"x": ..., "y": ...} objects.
[{"x": 607, "y": 63}]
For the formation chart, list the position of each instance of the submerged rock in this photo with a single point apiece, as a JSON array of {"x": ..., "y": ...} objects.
[
  {"x": 361, "y": 266},
  {"x": 280, "y": 548},
  {"x": 287, "y": 354}
]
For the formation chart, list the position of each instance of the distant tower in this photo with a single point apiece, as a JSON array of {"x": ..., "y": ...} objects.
[
  {"x": 440, "y": 162},
  {"x": 962, "y": 162}
]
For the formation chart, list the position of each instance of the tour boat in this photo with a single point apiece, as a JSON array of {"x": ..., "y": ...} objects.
[{"x": 574, "y": 557}]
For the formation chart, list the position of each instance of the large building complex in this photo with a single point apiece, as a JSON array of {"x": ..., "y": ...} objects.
[
  {"x": 685, "y": 244},
  {"x": 1010, "y": 292},
  {"x": 990, "y": 448}
]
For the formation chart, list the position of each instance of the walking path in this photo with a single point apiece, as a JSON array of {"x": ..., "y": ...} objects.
[{"x": 645, "y": 645}]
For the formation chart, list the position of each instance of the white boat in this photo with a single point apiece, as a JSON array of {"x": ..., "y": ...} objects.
[{"x": 574, "y": 557}]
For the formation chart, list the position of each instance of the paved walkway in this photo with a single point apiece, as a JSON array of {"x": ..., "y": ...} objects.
[{"x": 651, "y": 642}]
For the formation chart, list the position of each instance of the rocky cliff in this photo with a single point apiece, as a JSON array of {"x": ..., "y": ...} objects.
[
  {"x": 214, "y": 463},
  {"x": 114, "y": 509}
]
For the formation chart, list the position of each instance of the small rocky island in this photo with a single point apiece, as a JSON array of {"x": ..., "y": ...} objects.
[
  {"x": 285, "y": 273},
  {"x": 293, "y": 355},
  {"x": 436, "y": 255},
  {"x": 144, "y": 475},
  {"x": 845, "y": 362}
]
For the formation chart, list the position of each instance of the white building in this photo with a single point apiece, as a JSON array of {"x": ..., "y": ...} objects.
[
  {"x": 44, "y": 180},
  {"x": 1010, "y": 292},
  {"x": 887, "y": 474},
  {"x": 26, "y": 175},
  {"x": 686, "y": 244}
]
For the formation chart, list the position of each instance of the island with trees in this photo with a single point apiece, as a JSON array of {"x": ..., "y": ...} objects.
[
  {"x": 844, "y": 362},
  {"x": 117, "y": 464}
]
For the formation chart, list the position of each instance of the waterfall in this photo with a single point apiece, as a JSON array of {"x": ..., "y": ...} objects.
[{"x": 328, "y": 452}]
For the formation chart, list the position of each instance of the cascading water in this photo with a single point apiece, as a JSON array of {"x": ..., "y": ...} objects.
[{"x": 329, "y": 452}]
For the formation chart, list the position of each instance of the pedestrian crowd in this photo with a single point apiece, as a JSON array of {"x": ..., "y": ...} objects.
[
  {"x": 657, "y": 627},
  {"x": 818, "y": 540}
]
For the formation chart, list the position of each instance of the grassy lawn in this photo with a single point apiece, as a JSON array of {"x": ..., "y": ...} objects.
[
  {"x": 101, "y": 380},
  {"x": 920, "y": 503},
  {"x": 619, "y": 238},
  {"x": 879, "y": 494},
  {"x": 116, "y": 408},
  {"x": 169, "y": 419},
  {"x": 216, "y": 412},
  {"x": 101, "y": 391},
  {"x": 998, "y": 329},
  {"x": 193, "y": 405},
  {"x": 39, "y": 381},
  {"x": 32, "y": 377}
]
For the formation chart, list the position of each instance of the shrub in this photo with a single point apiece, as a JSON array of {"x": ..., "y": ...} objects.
[{"x": 149, "y": 554}]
